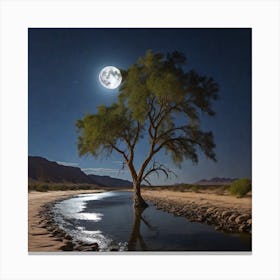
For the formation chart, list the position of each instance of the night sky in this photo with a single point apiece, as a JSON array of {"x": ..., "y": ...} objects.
[{"x": 63, "y": 85}]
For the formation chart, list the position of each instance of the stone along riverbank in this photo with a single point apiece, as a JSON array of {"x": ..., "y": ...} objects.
[{"x": 225, "y": 212}]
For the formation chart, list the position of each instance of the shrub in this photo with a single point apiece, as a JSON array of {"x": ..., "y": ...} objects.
[
  {"x": 194, "y": 188},
  {"x": 188, "y": 187},
  {"x": 240, "y": 187},
  {"x": 42, "y": 188}
]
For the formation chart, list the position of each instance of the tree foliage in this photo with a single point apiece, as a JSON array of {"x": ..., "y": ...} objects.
[{"x": 158, "y": 99}]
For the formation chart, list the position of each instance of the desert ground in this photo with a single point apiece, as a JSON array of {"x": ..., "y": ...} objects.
[{"x": 244, "y": 204}]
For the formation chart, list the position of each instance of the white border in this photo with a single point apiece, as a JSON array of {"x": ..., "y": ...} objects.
[{"x": 17, "y": 16}]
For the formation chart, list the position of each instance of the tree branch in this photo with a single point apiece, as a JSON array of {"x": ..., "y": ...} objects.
[
  {"x": 119, "y": 151},
  {"x": 183, "y": 127},
  {"x": 147, "y": 181},
  {"x": 166, "y": 112},
  {"x": 152, "y": 144},
  {"x": 153, "y": 109},
  {"x": 180, "y": 139},
  {"x": 157, "y": 168},
  {"x": 150, "y": 126},
  {"x": 146, "y": 162},
  {"x": 137, "y": 135}
]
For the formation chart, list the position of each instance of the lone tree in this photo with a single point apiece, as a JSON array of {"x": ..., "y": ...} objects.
[{"x": 158, "y": 99}]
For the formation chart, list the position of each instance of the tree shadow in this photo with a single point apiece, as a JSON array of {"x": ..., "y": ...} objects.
[{"x": 135, "y": 236}]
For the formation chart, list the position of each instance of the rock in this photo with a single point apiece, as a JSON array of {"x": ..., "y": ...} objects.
[
  {"x": 199, "y": 219},
  {"x": 232, "y": 217},
  {"x": 67, "y": 237},
  {"x": 86, "y": 247},
  {"x": 242, "y": 228},
  {"x": 241, "y": 218},
  {"x": 114, "y": 250},
  {"x": 209, "y": 220},
  {"x": 80, "y": 248},
  {"x": 226, "y": 214},
  {"x": 51, "y": 228},
  {"x": 95, "y": 246},
  {"x": 249, "y": 222},
  {"x": 58, "y": 239},
  {"x": 67, "y": 247},
  {"x": 210, "y": 209}
]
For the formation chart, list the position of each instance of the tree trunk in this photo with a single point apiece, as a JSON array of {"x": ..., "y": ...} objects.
[{"x": 138, "y": 200}]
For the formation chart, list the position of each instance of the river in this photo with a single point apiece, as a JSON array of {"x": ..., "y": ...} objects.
[{"x": 110, "y": 220}]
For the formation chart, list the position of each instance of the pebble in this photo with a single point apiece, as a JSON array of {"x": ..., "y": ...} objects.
[{"x": 242, "y": 218}]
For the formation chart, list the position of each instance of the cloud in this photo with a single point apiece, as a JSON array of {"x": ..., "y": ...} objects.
[
  {"x": 67, "y": 163},
  {"x": 119, "y": 162},
  {"x": 102, "y": 170}
]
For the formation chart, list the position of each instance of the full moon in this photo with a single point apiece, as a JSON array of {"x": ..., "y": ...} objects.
[{"x": 110, "y": 77}]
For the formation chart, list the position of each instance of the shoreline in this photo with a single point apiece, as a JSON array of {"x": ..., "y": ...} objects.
[
  {"x": 224, "y": 212},
  {"x": 43, "y": 234}
]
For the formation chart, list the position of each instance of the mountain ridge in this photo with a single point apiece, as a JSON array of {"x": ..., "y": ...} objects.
[
  {"x": 216, "y": 181},
  {"x": 43, "y": 170}
]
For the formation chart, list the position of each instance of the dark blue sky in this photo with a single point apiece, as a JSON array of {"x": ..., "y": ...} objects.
[{"x": 63, "y": 68}]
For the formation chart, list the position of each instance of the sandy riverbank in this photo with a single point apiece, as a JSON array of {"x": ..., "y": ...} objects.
[
  {"x": 225, "y": 212},
  {"x": 40, "y": 239}
]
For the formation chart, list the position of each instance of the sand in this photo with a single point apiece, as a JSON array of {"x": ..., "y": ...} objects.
[
  {"x": 243, "y": 204},
  {"x": 39, "y": 238}
]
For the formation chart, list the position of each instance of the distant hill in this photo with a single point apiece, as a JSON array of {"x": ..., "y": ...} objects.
[
  {"x": 43, "y": 170},
  {"x": 216, "y": 181},
  {"x": 109, "y": 181}
]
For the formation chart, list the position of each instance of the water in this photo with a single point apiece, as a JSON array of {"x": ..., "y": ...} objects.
[{"x": 110, "y": 220}]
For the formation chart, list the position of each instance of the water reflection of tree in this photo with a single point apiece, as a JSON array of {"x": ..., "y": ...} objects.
[{"x": 136, "y": 231}]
